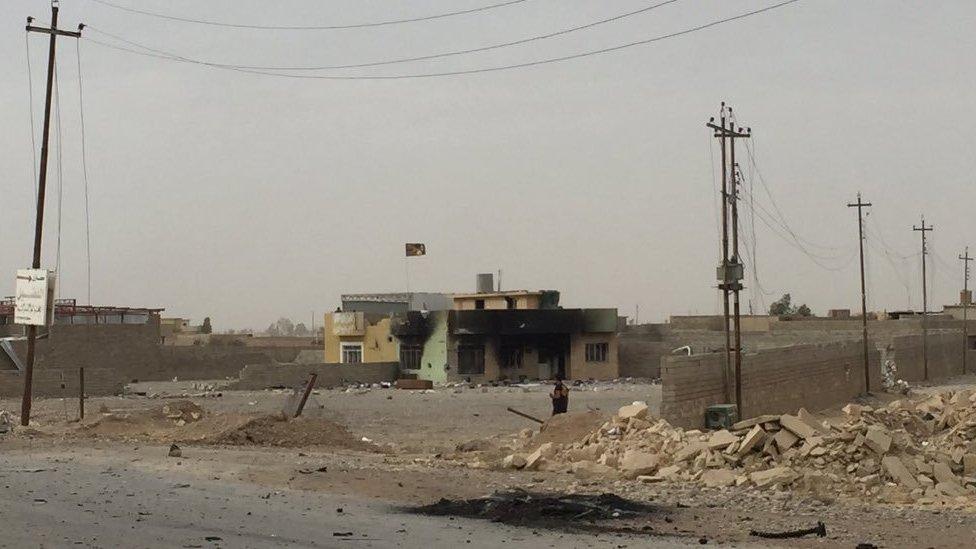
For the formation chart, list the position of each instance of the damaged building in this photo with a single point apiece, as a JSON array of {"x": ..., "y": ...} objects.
[
  {"x": 515, "y": 335},
  {"x": 359, "y": 331}
]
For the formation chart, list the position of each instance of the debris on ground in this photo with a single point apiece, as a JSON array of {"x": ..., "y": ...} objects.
[
  {"x": 6, "y": 422},
  {"x": 909, "y": 451},
  {"x": 527, "y": 508},
  {"x": 820, "y": 530},
  {"x": 175, "y": 451}
]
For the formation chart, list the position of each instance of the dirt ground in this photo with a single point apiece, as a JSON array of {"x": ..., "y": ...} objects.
[{"x": 401, "y": 448}]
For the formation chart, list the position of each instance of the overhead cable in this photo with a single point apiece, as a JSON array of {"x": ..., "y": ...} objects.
[
  {"x": 150, "y": 52},
  {"x": 410, "y": 59},
  {"x": 306, "y": 27}
]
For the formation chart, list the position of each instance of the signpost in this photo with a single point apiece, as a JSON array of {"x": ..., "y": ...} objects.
[{"x": 34, "y": 300}]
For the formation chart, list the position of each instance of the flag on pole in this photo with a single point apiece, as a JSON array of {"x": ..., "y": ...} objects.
[{"x": 415, "y": 248}]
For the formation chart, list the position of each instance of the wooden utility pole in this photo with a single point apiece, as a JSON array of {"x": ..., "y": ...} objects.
[
  {"x": 730, "y": 272},
  {"x": 725, "y": 256},
  {"x": 54, "y": 32},
  {"x": 864, "y": 301},
  {"x": 965, "y": 307},
  {"x": 925, "y": 302}
]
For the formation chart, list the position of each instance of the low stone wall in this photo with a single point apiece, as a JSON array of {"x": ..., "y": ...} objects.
[
  {"x": 262, "y": 376},
  {"x": 774, "y": 381},
  {"x": 61, "y": 383}
]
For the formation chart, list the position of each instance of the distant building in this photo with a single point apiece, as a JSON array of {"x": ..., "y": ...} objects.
[
  {"x": 67, "y": 311},
  {"x": 360, "y": 330},
  {"x": 514, "y": 335}
]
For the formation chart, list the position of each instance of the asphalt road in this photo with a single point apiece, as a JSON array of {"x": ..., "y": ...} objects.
[{"x": 71, "y": 503}]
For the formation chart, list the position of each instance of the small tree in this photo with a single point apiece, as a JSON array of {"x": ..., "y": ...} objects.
[
  {"x": 206, "y": 328},
  {"x": 784, "y": 307},
  {"x": 301, "y": 330}
]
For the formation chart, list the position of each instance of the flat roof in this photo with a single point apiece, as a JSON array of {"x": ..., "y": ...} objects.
[
  {"x": 499, "y": 294},
  {"x": 392, "y": 297}
]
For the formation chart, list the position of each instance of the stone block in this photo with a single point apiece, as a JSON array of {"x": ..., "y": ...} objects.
[
  {"x": 878, "y": 439},
  {"x": 721, "y": 439},
  {"x": 785, "y": 439},
  {"x": 752, "y": 440},
  {"x": 797, "y": 426},
  {"x": 776, "y": 475},
  {"x": 636, "y": 410},
  {"x": 636, "y": 462},
  {"x": 715, "y": 478},
  {"x": 899, "y": 473}
]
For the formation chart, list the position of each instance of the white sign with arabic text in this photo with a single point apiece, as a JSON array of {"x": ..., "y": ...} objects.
[{"x": 34, "y": 298}]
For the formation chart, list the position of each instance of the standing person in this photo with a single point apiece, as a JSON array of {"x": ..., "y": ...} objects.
[{"x": 560, "y": 397}]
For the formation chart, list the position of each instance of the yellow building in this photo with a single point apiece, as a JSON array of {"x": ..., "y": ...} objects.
[{"x": 355, "y": 337}]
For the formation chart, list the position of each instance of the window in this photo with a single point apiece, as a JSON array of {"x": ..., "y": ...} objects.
[
  {"x": 597, "y": 352},
  {"x": 352, "y": 353},
  {"x": 509, "y": 302},
  {"x": 511, "y": 356},
  {"x": 479, "y": 304},
  {"x": 471, "y": 359},
  {"x": 410, "y": 356}
]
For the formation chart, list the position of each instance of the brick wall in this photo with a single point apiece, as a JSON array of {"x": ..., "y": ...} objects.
[
  {"x": 133, "y": 352},
  {"x": 262, "y": 376},
  {"x": 58, "y": 382},
  {"x": 773, "y": 381},
  {"x": 639, "y": 356},
  {"x": 945, "y": 350}
]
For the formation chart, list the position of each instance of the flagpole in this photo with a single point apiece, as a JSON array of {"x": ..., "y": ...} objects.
[{"x": 406, "y": 271}]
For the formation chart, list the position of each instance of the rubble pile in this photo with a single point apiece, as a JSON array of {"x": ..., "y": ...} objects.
[{"x": 921, "y": 451}]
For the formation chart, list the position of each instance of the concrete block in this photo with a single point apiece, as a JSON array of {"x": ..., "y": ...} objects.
[{"x": 899, "y": 473}]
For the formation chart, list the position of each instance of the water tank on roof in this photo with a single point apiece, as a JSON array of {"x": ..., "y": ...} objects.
[{"x": 486, "y": 283}]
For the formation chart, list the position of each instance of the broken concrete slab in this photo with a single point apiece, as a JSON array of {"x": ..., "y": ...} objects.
[
  {"x": 753, "y": 438},
  {"x": 716, "y": 478},
  {"x": 797, "y": 426},
  {"x": 898, "y": 472},
  {"x": 636, "y": 410},
  {"x": 748, "y": 423},
  {"x": 514, "y": 461},
  {"x": 635, "y": 463},
  {"x": 785, "y": 439},
  {"x": 721, "y": 439},
  {"x": 943, "y": 473},
  {"x": 776, "y": 475},
  {"x": 689, "y": 451},
  {"x": 877, "y": 439}
]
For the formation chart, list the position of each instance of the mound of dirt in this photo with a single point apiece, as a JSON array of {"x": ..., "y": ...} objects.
[
  {"x": 145, "y": 423},
  {"x": 276, "y": 430},
  {"x": 570, "y": 427},
  {"x": 182, "y": 421}
]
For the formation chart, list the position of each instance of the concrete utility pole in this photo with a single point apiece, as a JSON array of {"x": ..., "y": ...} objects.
[
  {"x": 864, "y": 301},
  {"x": 925, "y": 302},
  {"x": 965, "y": 307},
  {"x": 730, "y": 272},
  {"x": 54, "y": 32}
]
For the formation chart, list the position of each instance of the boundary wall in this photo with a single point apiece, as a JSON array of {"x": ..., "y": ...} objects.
[{"x": 263, "y": 376}]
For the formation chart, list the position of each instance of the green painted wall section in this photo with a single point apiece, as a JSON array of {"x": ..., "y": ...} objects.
[{"x": 434, "y": 360}]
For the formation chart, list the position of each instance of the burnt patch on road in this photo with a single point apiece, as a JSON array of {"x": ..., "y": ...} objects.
[{"x": 603, "y": 512}]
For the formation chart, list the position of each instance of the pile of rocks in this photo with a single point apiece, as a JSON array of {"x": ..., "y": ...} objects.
[{"x": 908, "y": 451}]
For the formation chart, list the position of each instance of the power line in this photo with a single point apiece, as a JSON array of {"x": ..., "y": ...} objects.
[
  {"x": 174, "y": 57},
  {"x": 84, "y": 172},
  {"x": 410, "y": 59},
  {"x": 306, "y": 27},
  {"x": 779, "y": 212},
  {"x": 30, "y": 103},
  {"x": 57, "y": 118}
]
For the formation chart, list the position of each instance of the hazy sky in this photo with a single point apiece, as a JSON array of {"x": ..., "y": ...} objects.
[{"x": 247, "y": 197}]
